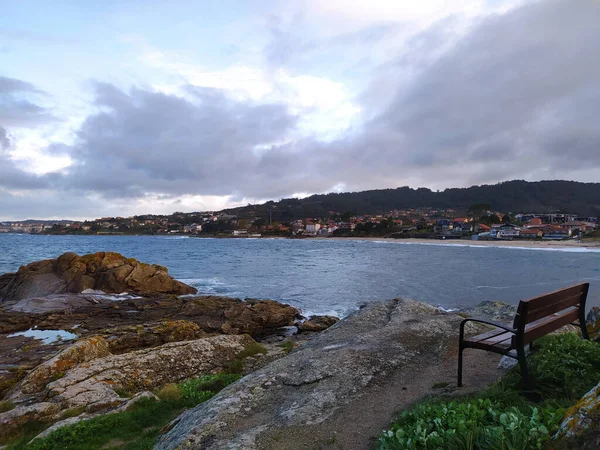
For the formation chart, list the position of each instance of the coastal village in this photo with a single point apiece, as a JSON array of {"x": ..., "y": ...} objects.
[{"x": 412, "y": 223}]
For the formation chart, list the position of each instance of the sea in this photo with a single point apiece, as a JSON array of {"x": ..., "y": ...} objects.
[{"x": 336, "y": 277}]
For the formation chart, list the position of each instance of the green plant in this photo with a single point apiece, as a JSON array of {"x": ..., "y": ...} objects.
[
  {"x": 236, "y": 365},
  {"x": 169, "y": 392},
  {"x": 137, "y": 428},
  {"x": 58, "y": 375},
  {"x": 72, "y": 412},
  {"x": 198, "y": 390},
  {"x": 479, "y": 423},
  {"x": 564, "y": 368},
  {"x": 440, "y": 385},
  {"x": 287, "y": 346}
]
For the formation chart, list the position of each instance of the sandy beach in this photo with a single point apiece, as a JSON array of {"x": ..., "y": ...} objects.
[{"x": 515, "y": 243}]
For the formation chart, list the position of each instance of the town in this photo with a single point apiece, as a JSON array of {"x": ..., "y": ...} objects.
[{"x": 477, "y": 223}]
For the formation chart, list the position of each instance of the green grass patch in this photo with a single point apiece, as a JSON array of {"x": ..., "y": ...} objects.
[
  {"x": 236, "y": 365},
  {"x": 136, "y": 428},
  {"x": 287, "y": 346},
  {"x": 502, "y": 417},
  {"x": 440, "y": 385}
]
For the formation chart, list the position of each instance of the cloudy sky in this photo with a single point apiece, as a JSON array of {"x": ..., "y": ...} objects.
[{"x": 124, "y": 107}]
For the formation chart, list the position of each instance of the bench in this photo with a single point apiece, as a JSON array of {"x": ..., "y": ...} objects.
[{"x": 535, "y": 318}]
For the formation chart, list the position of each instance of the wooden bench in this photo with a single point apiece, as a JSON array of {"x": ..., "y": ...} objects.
[{"x": 535, "y": 318}]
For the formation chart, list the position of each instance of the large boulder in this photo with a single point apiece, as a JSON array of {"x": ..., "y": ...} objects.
[
  {"x": 106, "y": 271},
  {"x": 341, "y": 387},
  {"x": 86, "y": 376},
  {"x": 131, "y": 337},
  {"x": 318, "y": 323},
  {"x": 258, "y": 317}
]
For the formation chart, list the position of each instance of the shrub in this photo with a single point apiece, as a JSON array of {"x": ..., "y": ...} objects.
[
  {"x": 198, "y": 390},
  {"x": 169, "y": 392},
  {"x": 565, "y": 366}
]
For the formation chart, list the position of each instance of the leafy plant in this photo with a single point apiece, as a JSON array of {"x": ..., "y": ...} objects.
[
  {"x": 479, "y": 423},
  {"x": 564, "y": 368}
]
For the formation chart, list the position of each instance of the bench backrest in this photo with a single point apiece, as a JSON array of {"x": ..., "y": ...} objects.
[{"x": 541, "y": 315}]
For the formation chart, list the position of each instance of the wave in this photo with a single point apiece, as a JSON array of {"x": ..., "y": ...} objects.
[{"x": 211, "y": 286}]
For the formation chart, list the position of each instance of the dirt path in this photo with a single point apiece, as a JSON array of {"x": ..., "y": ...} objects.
[{"x": 358, "y": 424}]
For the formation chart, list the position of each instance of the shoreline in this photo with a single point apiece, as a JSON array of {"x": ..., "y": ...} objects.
[
  {"x": 566, "y": 244},
  {"x": 462, "y": 242}
]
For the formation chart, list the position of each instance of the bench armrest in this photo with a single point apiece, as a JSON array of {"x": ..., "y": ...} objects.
[{"x": 487, "y": 322}]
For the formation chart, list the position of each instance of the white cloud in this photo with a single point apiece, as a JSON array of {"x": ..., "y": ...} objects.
[{"x": 326, "y": 108}]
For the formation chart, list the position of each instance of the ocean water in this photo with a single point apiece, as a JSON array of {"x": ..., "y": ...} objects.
[{"x": 335, "y": 276}]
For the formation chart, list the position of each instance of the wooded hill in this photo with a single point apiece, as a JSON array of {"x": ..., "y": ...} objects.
[{"x": 509, "y": 196}]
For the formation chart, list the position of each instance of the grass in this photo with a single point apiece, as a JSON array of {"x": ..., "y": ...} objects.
[
  {"x": 236, "y": 365},
  {"x": 501, "y": 417},
  {"x": 287, "y": 346},
  {"x": 440, "y": 385},
  {"x": 136, "y": 428}
]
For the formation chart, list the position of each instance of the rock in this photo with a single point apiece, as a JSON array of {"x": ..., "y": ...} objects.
[
  {"x": 5, "y": 279},
  {"x": 582, "y": 421},
  {"x": 93, "y": 379},
  {"x": 310, "y": 389},
  {"x": 106, "y": 271},
  {"x": 506, "y": 362},
  {"x": 492, "y": 310},
  {"x": 128, "y": 337},
  {"x": 593, "y": 323},
  {"x": 317, "y": 323},
  {"x": 83, "y": 417},
  {"x": 12, "y": 421},
  {"x": 258, "y": 317},
  {"x": 81, "y": 351}
]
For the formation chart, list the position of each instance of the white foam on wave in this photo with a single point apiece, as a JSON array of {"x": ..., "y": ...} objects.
[
  {"x": 441, "y": 308},
  {"x": 113, "y": 297},
  {"x": 210, "y": 286},
  {"x": 510, "y": 247}
]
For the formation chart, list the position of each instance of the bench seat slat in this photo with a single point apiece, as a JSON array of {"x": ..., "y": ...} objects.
[{"x": 484, "y": 336}]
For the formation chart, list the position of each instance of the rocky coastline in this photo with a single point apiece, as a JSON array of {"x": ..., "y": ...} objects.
[{"x": 318, "y": 381}]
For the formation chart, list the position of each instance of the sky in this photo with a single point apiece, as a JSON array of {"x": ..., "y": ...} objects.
[{"x": 117, "y": 108}]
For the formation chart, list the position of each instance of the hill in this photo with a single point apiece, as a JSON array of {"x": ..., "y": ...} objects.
[{"x": 509, "y": 196}]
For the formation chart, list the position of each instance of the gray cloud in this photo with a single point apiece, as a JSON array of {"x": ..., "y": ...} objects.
[
  {"x": 148, "y": 142},
  {"x": 519, "y": 93},
  {"x": 4, "y": 140},
  {"x": 517, "y": 97},
  {"x": 17, "y": 109}
]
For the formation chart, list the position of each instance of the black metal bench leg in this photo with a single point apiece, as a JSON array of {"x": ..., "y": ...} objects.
[
  {"x": 523, "y": 365},
  {"x": 584, "y": 331},
  {"x": 460, "y": 364}
]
